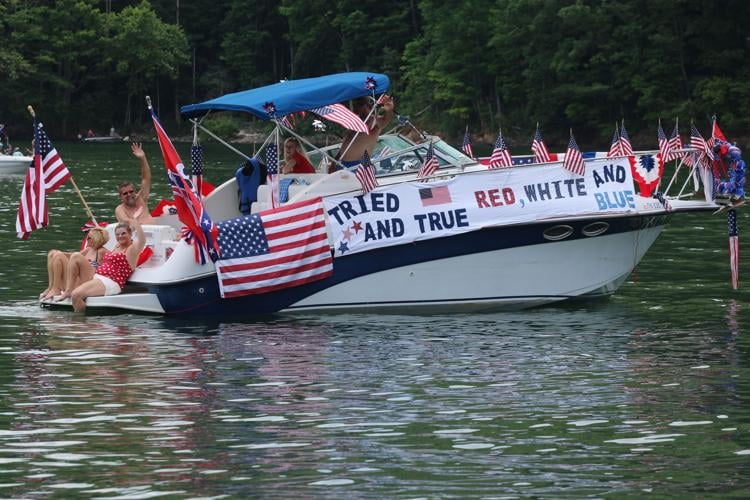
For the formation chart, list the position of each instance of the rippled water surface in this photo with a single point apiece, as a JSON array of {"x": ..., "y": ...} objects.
[{"x": 644, "y": 393}]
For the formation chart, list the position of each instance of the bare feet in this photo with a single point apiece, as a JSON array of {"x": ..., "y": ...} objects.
[
  {"x": 50, "y": 293},
  {"x": 64, "y": 295}
]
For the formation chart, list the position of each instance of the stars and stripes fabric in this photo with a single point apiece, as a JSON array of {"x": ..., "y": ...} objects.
[
  {"x": 675, "y": 144},
  {"x": 664, "y": 148},
  {"x": 466, "y": 146},
  {"x": 200, "y": 231},
  {"x": 734, "y": 248},
  {"x": 46, "y": 173},
  {"x": 699, "y": 144},
  {"x": 274, "y": 249},
  {"x": 338, "y": 113},
  {"x": 573, "y": 158},
  {"x": 625, "y": 147},
  {"x": 272, "y": 174},
  {"x": 614, "y": 147},
  {"x": 539, "y": 148},
  {"x": 366, "y": 174},
  {"x": 196, "y": 161},
  {"x": 290, "y": 120},
  {"x": 500, "y": 154},
  {"x": 430, "y": 164}
]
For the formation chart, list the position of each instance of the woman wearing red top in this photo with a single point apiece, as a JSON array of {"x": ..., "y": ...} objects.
[
  {"x": 295, "y": 159},
  {"x": 116, "y": 267}
]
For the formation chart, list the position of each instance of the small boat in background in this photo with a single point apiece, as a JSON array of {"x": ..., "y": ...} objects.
[{"x": 10, "y": 164}]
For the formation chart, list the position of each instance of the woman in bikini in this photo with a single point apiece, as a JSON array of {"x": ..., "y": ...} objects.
[
  {"x": 58, "y": 262},
  {"x": 116, "y": 267}
]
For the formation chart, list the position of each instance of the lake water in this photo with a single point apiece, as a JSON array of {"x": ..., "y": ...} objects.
[{"x": 643, "y": 394}]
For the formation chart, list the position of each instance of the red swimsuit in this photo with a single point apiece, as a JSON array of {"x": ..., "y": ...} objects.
[{"x": 115, "y": 266}]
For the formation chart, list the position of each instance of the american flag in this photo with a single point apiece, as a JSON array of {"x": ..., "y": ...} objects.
[
  {"x": 541, "y": 153},
  {"x": 614, "y": 147},
  {"x": 45, "y": 174},
  {"x": 500, "y": 154},
  {"x": 196, "y": 159},
  {"x": 430, "y": 164},
  {"x": 272, "y": 166},
  {"x": 573, "y": 158},
  {"x": 625, "y": 147},
  {"x": 664, "y": 147},
  {"x": 698, "y": 143},
  {"x": 366, "y": 174},
  {"x": 675, "y": 144},
  {"x": 290, "y": 120},
  {"x": 466, "y": 147},
  {"x": 190, "y": 209},
  {"x": 734, "y": 248},
  {"x": 274, "y": 249},
  {"x": 338, "y": 113}
]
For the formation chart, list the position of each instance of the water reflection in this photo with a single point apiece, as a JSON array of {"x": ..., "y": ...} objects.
[{"x": 360, "y": 405}]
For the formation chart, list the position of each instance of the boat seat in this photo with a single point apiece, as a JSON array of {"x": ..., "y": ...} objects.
[{"x": 160, "y": 238}]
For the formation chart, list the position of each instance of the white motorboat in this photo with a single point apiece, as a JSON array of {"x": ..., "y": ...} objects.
[
  {"x": 10, "y": 164},
  {"x": 464, "y": 239}
]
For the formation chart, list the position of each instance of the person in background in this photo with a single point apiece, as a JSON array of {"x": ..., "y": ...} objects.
[
  {"x": 116, "y": 267},
  {"x": 59, "y": 270},
  {"x": 134, "y": 205},
  {"x": 355, "y": 144},
  {"x": 295, "y": 158}
]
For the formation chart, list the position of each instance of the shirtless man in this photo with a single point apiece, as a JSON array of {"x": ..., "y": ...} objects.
[
  {"x": 352, "y": 155},
  {"x": 134, "y": 205}
]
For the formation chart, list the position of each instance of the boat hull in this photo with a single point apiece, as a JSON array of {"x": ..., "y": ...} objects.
[
  {"x": 511, "y": 267},
  {"x": 14, "y": 164}
]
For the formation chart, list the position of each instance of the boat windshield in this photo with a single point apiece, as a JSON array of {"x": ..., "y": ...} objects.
[{"x": 395, "y": 154}]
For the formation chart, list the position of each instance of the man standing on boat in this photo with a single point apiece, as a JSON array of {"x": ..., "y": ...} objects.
[
  {"x": 355, "y": 144},
  {"x": 134, "y": 205}
]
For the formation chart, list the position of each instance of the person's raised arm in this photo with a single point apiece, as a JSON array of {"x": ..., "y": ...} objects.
[
  {"x": 138, "y": 245},
  {"x": 387, "y": 103},
  {"x": 145, "y": 171}
]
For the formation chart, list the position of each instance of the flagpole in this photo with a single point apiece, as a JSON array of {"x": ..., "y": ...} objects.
[{"x": 80, "y": 195}]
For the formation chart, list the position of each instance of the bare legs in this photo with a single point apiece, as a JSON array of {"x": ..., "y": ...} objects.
[
  {"x": 79, "y": 271},
  {"x": 57, "y": 262},
  {"x": 91, "y": 288}
]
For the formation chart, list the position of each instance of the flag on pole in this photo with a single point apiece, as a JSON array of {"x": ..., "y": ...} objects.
[
  {"x": 272, "y": 173},
  {"x": 573, "y": 158},
  {"x": 500, "y": 154},
  {"x": 716, "y": 134},
  {"x": 614, "y": 147},
  {"x": 274, "y": 249},
  {"x": 338, "y": 113},
  {"x": 664, "y": 148},
  {"x": 675, "y": 144},
  {"x": 466, "y": 147},
  {"x": 430, "y": 164},
  {"x": 541, "y": 153},
  {"x": 46, "y": 173},
  {"x": 200, "y": 230},
  {"x": 734, "y": 248},
  {"x": 625, "y": 147},
  {"x": 196, "y": 159},
  {"x": 699, "y": 144},
  {"x": 366, "y": 174}
]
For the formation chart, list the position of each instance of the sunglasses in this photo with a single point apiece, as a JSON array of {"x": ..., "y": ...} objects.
[{"x": 127, "y": 193}]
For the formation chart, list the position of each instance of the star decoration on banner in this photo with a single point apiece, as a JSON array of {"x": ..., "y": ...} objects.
[
  {"x": 343, "y": 247},
  {"x": 347, "y": 234},
  {"x": 357, "y": 226}
]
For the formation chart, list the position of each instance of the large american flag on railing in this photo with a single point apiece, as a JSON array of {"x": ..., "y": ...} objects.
[
  {"x": 274, "y": 249},
  {"x": 45, "y": 174},
  {"x": 338, "y": 113}
]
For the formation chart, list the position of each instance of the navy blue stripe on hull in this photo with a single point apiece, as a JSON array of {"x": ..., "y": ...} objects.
[{"x": 201, "y": 297}]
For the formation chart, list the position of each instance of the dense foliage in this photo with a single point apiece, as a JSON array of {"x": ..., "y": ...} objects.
[{"x": 510, "y": 63}]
